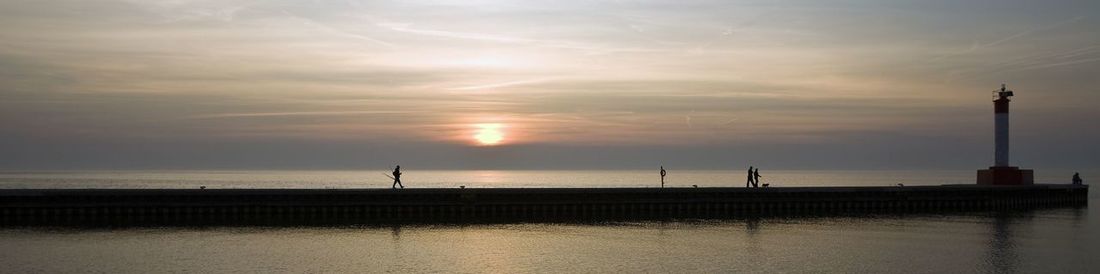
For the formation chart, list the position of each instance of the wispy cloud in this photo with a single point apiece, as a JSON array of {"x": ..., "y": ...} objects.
[
  {"x": 296, "y": 113},
  {"x": 1059, "y": 64},
  {"x": 502, "y": 84},
  {"x": 975, "y": 46},
  {"x": 336, "y": 31},
  {"x": 407, "y": 28}
]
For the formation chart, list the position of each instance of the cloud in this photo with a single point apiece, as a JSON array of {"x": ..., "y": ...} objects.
[
  {"x": 299, "y": 113},
  {"x": 624, "y": 74},
  {"x": 594, "y": 49},
  {"x": 501, "y": 84},
  {"x": 337, "y": 31}
]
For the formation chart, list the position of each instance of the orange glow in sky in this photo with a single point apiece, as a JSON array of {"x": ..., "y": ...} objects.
[{"x": 489, "y": 134}]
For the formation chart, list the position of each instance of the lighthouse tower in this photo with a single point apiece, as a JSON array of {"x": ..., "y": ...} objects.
[
  {"x": 1000, "y": 127},
  {"x": 1001, "y": 173}
]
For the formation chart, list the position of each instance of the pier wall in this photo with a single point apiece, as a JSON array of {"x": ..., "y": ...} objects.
[{"x": 157, "y": 207}]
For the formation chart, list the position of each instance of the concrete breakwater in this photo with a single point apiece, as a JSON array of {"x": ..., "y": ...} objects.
[{"x": 155, "y": 207}]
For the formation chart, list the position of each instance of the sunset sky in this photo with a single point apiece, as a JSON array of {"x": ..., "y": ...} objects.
[{"x": 544, "y": 84}]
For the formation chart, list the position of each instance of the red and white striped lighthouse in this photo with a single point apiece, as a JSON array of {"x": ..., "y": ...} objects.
[
  {"x": 1000, "y": 127},
  {"x": 1001, "y": 173}
]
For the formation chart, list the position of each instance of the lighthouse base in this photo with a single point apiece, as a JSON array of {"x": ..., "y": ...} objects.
[{"x": 1006, "y": 175}]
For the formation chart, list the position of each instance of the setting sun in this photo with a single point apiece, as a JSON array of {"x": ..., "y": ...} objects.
[{"x": 489, "y": 134}]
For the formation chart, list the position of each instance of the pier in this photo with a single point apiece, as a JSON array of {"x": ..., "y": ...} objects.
[{"x": 171, "y": 207}]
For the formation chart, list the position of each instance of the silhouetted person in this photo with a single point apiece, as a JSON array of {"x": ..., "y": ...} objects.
[
  {"x": 397, "y": 177},
  {"x": 756, "y": 177},
  {"x": 663, "y": 173},
  {"x": 1077, "y": 179},
  {"x": 750, "y": 178}
]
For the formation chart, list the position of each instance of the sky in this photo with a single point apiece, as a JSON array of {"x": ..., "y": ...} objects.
[{"x": 234, "y": 84}]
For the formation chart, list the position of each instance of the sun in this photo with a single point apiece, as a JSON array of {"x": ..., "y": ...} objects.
[{"x": 489, "y": 134}]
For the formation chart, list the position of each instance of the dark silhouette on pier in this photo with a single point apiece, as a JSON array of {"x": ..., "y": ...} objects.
[
  {"x": 756, "y": 177},
  {"x": 1077, "y": 179},
  {"x": 663, "y": 173},
  {"x": 749, "y": 181},
  {"x": 397, "y": 177}
]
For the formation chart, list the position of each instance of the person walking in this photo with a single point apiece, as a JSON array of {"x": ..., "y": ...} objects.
[
  {"x": 1077, "y": 179},
  {"x": 756, "y": 177},
  {"x": 748, "y": 182},
  {"x": 397, "y": 177},
  {"x": 663, "y": 173}
]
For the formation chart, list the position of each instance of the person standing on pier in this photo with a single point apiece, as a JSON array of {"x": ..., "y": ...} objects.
[
  {"x": 397, "y": 177},
  {"x": 750, "y": 178},
  {"x": 1077, "y": 179},
  {"x": 756, "y": 177},
  {"x": 663, "y": 173}
]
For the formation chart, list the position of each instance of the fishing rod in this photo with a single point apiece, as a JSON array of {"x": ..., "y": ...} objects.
[{"x": 388, "y": 175}]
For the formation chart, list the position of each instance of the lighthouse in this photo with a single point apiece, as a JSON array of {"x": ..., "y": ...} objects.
[
  {"x": 1000, "y": 127},
  {"x": 1002, "y": 173}
]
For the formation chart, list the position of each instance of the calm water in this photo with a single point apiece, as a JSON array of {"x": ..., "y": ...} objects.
[{"x": 1047, "y": 241}]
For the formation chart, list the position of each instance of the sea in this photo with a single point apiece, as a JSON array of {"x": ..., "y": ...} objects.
[{"x": 1039, "y": 241}]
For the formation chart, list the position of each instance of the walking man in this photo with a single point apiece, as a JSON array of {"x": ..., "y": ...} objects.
[
  {"x": 756, "y": 177},
  {"x": 663, "y": 176},
  {"x": 397, "y": 177},
  {"x": 749, "y": 181}
]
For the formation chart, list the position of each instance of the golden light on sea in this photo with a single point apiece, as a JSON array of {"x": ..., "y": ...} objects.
[{"x": 489, "y": 134}]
